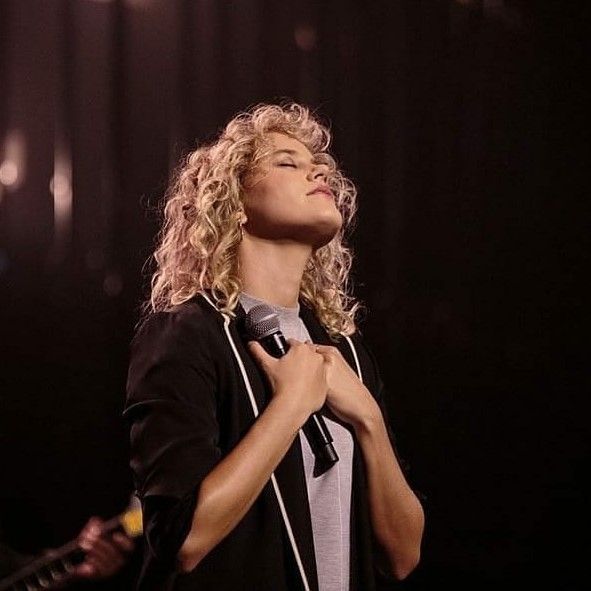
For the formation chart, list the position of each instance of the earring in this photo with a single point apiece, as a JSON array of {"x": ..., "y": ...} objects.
[{"x": 241, "y": 224}]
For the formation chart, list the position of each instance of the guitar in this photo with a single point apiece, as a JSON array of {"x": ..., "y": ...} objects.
[{"x": 55, "y": 566}]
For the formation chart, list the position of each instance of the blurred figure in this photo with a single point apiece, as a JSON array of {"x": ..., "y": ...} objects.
[
  {"x": 97, "y": 553},
  {"x": 106, "y": 554}
]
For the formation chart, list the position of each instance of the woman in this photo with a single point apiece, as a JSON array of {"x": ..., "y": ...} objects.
[{"x": 229, "y": 496}]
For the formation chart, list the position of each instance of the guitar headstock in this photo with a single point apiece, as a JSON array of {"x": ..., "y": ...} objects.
[{"x": 131, "y": 519}]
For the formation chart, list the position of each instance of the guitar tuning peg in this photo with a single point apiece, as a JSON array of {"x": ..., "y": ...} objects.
[{"x": 134, "y": 501}]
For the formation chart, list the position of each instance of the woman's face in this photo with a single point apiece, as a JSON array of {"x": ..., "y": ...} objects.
[{"x": 283, "y": 199}]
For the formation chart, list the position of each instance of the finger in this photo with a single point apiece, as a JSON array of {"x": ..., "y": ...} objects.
[
  {"x": 315, "y": 347},
  {"x": 98, "y": 553},
  {"x": 86, "y": 570},
  {"x": 92, "y": 527},
  {"x": 95, "y": 567},
  {"x": 90, "y": 534},
  {"x": 323, "y": 348},
  {"x": 326, "y": 350},
  {"x": 123, "y": 542},
  {"x": 106, "y": 549},
  {"x": 259, "y": 353},
  {"x": 106, "y": 557}
]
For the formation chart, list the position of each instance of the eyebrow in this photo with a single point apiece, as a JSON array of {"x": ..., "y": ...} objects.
[{"x": 315, "y": 159}]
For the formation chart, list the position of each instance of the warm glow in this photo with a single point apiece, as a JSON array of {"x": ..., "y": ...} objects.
[
  {"x": 61, "y": 190},
  {"x": 12, "y": 169},
  {"x": 60, "y": 186},
  {"x": 113, "y": 284},
  {"x": 8, "y": 173},
  {"x": 138, "y": 3},
  {"x": 305, "y": 37}
]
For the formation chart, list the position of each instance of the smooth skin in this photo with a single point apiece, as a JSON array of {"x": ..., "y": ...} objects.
[{"x": 283, "y": 225}]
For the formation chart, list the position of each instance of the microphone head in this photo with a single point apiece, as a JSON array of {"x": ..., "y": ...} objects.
[{"x": 261, "y": 321}]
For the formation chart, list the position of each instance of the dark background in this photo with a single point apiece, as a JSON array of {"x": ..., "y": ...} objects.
[{"x": 461, "y": 124}]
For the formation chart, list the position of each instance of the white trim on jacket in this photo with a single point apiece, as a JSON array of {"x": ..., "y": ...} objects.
[{"x": 256, "y": 413}]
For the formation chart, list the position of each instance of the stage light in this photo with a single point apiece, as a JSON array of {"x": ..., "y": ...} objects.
[
  {"x": 12, "y": 169},
  {"x": 8, "y": 173},
  {"x": 61, "y": 190},
  {"x": 113, "y": 284},
  {"x": 305, "y": 37},
  {"x": 60, "y": 186}
]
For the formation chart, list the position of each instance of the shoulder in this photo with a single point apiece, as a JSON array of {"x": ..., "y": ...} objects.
[
  {"x": 174, "y": 353},
  {"x": 366, "y": 357},
  {"x": 187, "y": 327}
]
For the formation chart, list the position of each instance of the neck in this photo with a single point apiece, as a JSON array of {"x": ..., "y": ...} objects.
[{"x": 272, "y": 270}]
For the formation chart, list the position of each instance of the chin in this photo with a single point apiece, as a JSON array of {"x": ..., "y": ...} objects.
[{"x": 325, "y": 235}]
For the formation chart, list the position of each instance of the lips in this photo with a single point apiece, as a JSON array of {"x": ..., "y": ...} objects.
[{"x": 322, "y": 190}]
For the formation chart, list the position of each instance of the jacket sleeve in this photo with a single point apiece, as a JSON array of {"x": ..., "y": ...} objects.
[
  {"x": 375, "y": 384},
  {"x": 382, "y": 397},
  {"x": 171, "y": 409},
  {"x": 379, "y": 391}
]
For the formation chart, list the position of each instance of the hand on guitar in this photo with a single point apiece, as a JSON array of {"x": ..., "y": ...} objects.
[
  {"x": 99, "y": 552},
  {"x": 106, "y": 552}
]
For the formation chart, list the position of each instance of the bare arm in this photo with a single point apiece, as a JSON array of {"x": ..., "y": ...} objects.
[
  {"x": 396, "y": 513},
  {"x": 230, "y": 489}
]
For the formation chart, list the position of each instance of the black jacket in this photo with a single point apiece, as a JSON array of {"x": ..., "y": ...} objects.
[{"x": 192, "y": 394}]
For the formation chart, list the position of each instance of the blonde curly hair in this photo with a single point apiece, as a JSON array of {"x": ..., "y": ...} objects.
[{"x": 198, "y": 242}]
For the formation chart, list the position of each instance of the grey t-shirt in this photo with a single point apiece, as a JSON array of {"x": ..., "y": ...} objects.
[{"x": 330, "y": 493}]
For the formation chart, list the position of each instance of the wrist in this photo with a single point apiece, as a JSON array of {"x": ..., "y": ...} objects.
[
  {"x": 291, "y": 406},
  {"x": 369, "y": 420}
]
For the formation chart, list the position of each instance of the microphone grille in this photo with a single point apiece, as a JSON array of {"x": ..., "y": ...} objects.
[{"x": 261, "y": 321}]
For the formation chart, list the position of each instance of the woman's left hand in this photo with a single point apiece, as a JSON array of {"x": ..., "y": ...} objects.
[{"x": 347, "y": 397}]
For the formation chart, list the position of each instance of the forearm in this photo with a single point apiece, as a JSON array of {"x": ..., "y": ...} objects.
[
  {"x": 230, "y": 489},
  {"x": 396, "y": 513}
]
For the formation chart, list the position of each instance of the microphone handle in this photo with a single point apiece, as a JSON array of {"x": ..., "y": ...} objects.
[{"x": 315, "y": 428}]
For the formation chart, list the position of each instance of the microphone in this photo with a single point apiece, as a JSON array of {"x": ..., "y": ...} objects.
[{"x": 262, "y": 325}]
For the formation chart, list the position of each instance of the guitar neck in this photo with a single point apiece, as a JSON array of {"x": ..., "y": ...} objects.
[
  {"x": 57, "y": 565},
  {"x": 47, "y": 570}
]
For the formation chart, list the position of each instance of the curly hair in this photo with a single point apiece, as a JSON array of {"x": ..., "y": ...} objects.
[{"x": 198, "y": 243}]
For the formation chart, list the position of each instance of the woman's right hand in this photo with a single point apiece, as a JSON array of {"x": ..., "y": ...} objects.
[
  {"x": 298, "y": 377},
  {"x": 229, "y": 490}
]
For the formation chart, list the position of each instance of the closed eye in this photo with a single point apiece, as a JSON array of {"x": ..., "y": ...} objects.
[{"x": 287, "y": 164}]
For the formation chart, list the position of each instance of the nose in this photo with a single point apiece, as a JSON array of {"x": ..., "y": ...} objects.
[{"x": 319, "y": 172}]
